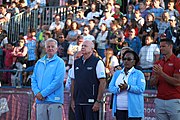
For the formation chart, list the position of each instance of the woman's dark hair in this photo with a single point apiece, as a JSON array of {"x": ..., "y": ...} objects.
[{"x": 136, "y": 57}]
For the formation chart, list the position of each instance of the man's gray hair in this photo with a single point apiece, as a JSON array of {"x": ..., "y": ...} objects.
[{"x": 51, "y": 40}]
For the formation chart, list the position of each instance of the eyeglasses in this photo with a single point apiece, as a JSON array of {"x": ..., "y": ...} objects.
[
  {"x": 128, "y": 59},
  {"x": 85, "y": 30},
  {"x": 61, "y": 37}
]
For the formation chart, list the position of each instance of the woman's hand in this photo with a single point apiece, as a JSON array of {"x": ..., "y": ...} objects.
[{"x": 123, "y": 86}]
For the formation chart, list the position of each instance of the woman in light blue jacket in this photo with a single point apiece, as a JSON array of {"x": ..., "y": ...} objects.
[{"x": 128, "y": 86}]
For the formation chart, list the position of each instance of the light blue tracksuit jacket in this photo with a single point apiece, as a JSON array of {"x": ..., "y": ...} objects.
[
  {"x": 135, "y": 94},
  {"x": 48, "y": 78}
]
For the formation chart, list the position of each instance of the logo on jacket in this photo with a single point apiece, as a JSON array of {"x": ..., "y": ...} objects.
[
  {"x": 77, "y": 68},
  {"x": 89, "y": 68}
]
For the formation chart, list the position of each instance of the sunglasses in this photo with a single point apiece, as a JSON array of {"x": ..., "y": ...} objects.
[
  {"x": 128, "y": 59},
  {"x": 61, "y": 37}
]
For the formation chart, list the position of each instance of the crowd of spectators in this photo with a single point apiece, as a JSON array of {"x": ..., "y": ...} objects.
[{"x": 139, "y": 27}]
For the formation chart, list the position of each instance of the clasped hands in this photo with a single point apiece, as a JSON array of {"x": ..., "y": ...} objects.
[{"x": 123, "y": 86}]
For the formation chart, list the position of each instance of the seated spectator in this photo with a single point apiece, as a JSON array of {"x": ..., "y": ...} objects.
[
  {"x": 139, "y": 20},
  {"x": 93, "y": 29},
  {"x": 67, "y": 27},
  {"x": 130, "y": 12},
  {"x": 134, "y": 41},
  {"x": 131, "y": 24},
  {"x": 117, "y": 13}
]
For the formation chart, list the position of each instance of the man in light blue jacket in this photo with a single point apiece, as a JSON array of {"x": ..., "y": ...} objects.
[{"x": 47, "y": 83}]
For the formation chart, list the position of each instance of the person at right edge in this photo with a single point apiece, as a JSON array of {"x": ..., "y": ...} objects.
[
  {"x": 128, "y": 86},
  {"x": 166, "y": 76}
]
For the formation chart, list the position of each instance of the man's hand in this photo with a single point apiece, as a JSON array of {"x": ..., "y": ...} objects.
[
  {"x": 157, "y": 69},
  {"x": 39, "y": 96},
  {"x": 96, "y": 106}
]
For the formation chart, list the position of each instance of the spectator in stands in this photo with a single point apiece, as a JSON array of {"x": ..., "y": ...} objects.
[
  {"x": 74, "y": 33},
  {"x": 157, "y": 11},
  {"x": 148, "y": 4},
  {"x": 110, "y": 8},
  {"x": 67, "y": 27},
  {"x": 101, "y": 40},
  {"x": 22, "y": 7},
  {"x": 63, "y": 46},
  {"x": 124, "y": 22},
  {"x": 81, "y": 19},
  {"x": 117, "y": 13},
  {"x": 13, "y": 9},
  {"x": 73, "y": 48},
  {"x": 88, "y": 84},
  {"x": 4, "y": 40},
  {"x": 94, "y": 12},
  {"x": 20, "y": 52},
  {"x": 171, "y": 31},
  {"x": 31, "y": 44},
  {"x": 111, "y": 62},
  {"x": 130, "y": 11},
  {"x": 7, "y": 63},
  {"x": 149, "y": 28},
  {"x": 115, "y": 37},
  {"x": 57, "y": 26},
  {"x": 139, "y": 20},
  {"x": 47, "y": 84},
  {"x": 128, "y": 100},
  {"x": 86, "y": 34},
  {"x": 163, "y": 24},
  {"x": 134, "y": 41},
  {"x": 149, "y": 54},
  {"x": 4, "y": 15},
  {"x": 41, "y": 48},
  {"x": 171, "y": 10},
  {"x": 107, "y": 19},
  {"x": 72, "y": 3},
  {"x": 93, "y": 29},
  {"x": 142, "y": 9},
  {"x": 166, "y": 76},
  {"x": 131, "y": 24}
]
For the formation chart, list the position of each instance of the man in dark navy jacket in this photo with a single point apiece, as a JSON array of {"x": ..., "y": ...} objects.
[{"x": 88, "y": 84}]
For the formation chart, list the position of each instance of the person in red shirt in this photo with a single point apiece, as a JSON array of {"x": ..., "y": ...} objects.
[{"x": 166, "y": 75}]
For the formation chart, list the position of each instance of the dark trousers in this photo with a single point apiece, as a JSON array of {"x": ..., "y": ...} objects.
[
  {"x": 84, "y": 112},
  {"x": 123, "y": 115}
]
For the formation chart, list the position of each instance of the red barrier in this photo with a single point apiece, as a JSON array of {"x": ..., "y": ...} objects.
[{"x": 21, "y": 107}]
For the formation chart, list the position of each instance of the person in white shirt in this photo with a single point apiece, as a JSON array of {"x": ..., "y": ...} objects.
[
  {"x": 86, "y": 35},
  {"x": 107, "y": 19},
  {"x": 93, "y": 13},
  {"x": 149, "y": 54},
  {"x": 57, "y": 25}
]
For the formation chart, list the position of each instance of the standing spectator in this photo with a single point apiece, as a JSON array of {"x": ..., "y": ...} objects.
[
  {"x": 47, "y": 84},
  {"x": 107, "y": 19},
  {"x": 171, "y": 10},
  {"x": 74, "y": 33},
  {"x": 101, "y": 40},
  {"x": 62, "y": 47},
  {"x": 134, "y": 41},
  {"x": 166, "y": 75},
  {"x": 4, "y": 15},
  {"x": 142, "y": 9},
  {"x": 4, "y": 40},
  {"x": 56, "y": 26},
  {"x": 13, "y": 9},
  {"x": 157, "y": 11},
  {"x": 88, "y": 84},
  {"x": 86, "y": 34},
  {"x": 149, "y": 28},
  {"x": 128, "y": 86},
  {"x": 172, "y": 33},
  {"x": 74, "y": 48},
  {"x": 149, "y": 54},
  {"x": 117, "y": 13}
]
